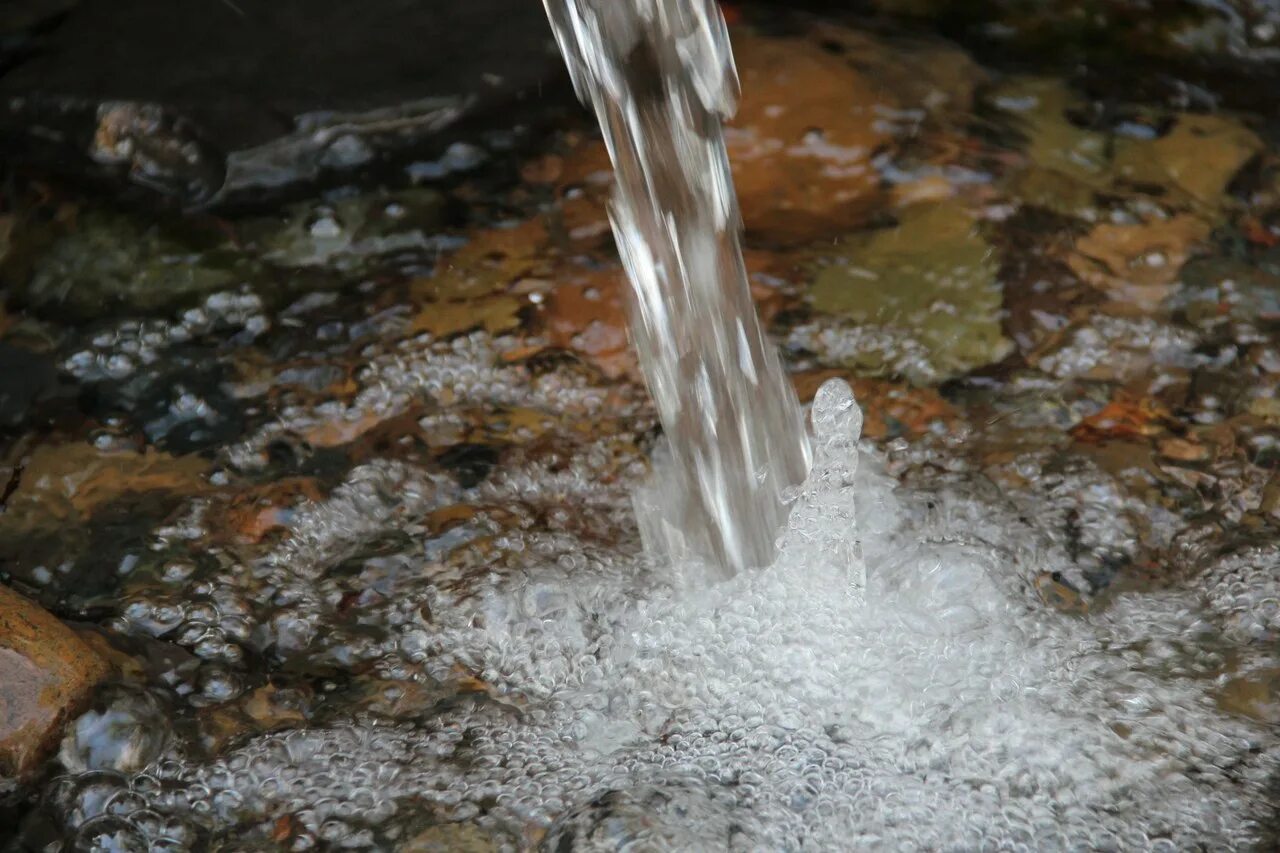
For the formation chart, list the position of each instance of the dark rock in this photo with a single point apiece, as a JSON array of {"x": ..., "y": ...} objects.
[
  {"x": 201, "y": 102},
  {"x": 470, "y": 463},
  {"x": 26, "y": 377},
  {"x": 46, "y": 674}
]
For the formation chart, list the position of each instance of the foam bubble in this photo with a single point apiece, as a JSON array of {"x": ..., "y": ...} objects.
[{"x": 939, "y": 705}]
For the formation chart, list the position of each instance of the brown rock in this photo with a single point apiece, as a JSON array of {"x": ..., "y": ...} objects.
[
  {"x": 66, "y": 483},
  {"x": 803, "y": 138},
  {"x": 46, "y": 674},
  {"x": 1182, "y": 450},
  {"x": 1255, "y": 695}
]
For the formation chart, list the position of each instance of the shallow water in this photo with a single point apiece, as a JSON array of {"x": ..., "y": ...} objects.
[{"x": 378, "y": 581}]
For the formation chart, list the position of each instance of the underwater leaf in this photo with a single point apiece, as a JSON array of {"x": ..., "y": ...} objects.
[
  {"x": 584, "y": 220},
  {"x": 1140, "y": 262},
  {"x": 1053, "y": 142},
  {"x": 493, "y": 260},
  {"x": 1199, "y": 156},
  {"x": 494, "y": 314},
  {"x": 1187, "y": 168},
  {"x": 587, "y": 314},
  {"x": 1125, "y": 417}
]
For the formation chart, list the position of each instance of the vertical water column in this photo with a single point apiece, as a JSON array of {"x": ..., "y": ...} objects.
[{"x": 661, "y": 78}]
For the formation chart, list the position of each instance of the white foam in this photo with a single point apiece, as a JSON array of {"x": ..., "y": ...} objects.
[{"x": 943, "y": 707}]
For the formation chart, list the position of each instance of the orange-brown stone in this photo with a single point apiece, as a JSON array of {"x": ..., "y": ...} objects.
[{"x": 46, "y": 675}]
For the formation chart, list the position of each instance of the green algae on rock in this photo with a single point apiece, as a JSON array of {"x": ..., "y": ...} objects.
[
  {"x": 933, "y": 276},
  {"x": 350, "y": 233},
  {"x": 1188, "y": 166},
  {"x": 109, "y": 263}
]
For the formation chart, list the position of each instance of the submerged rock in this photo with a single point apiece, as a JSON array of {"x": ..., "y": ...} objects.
[
  {"x": 110, "y": 263},
  {"x": 451, "y": 838},
  {"x": 46, "y": 673},
  {"x": 672, "y": 817},
  {"x": 28, "y": 378},
  {"x": 928, "y": 285}
]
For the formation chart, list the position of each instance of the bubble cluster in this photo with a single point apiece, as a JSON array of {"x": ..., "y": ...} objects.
[
  {"x": 118, "y": 352},
  {"x": 1125, "y": 347},
  {"x": 125, "y": 734},
  {"x": 937, "y": 704},
  {"x": 1244, "y": 591},
  {"x": 442, "y": 374},
  {"x": 896, "y": 350},
  {"x": 106, "y": 810}
]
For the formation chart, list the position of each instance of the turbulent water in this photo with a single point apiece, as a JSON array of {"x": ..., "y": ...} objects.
[
  {"x": 660, "y": 75},
  {"x": 775, "y": 711}
]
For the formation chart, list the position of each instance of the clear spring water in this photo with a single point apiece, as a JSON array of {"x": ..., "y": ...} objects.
[
  {"x": 661, "y": 78},
  {"x": 891, "y": 681}
]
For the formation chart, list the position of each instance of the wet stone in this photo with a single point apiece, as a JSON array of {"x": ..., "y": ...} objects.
[
  {"x": 26, "y": 378},
  {"x": 46, "y": 673},
  {"x": 198, "y": 102}
]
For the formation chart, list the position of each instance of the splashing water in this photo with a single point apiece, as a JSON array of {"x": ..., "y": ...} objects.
[
  {"x": 951, "y": 712},
  {"x": 660, "y": 75}
]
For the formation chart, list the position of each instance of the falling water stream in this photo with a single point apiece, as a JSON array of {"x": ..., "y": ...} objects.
[{"x": 661, "y": 78}]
